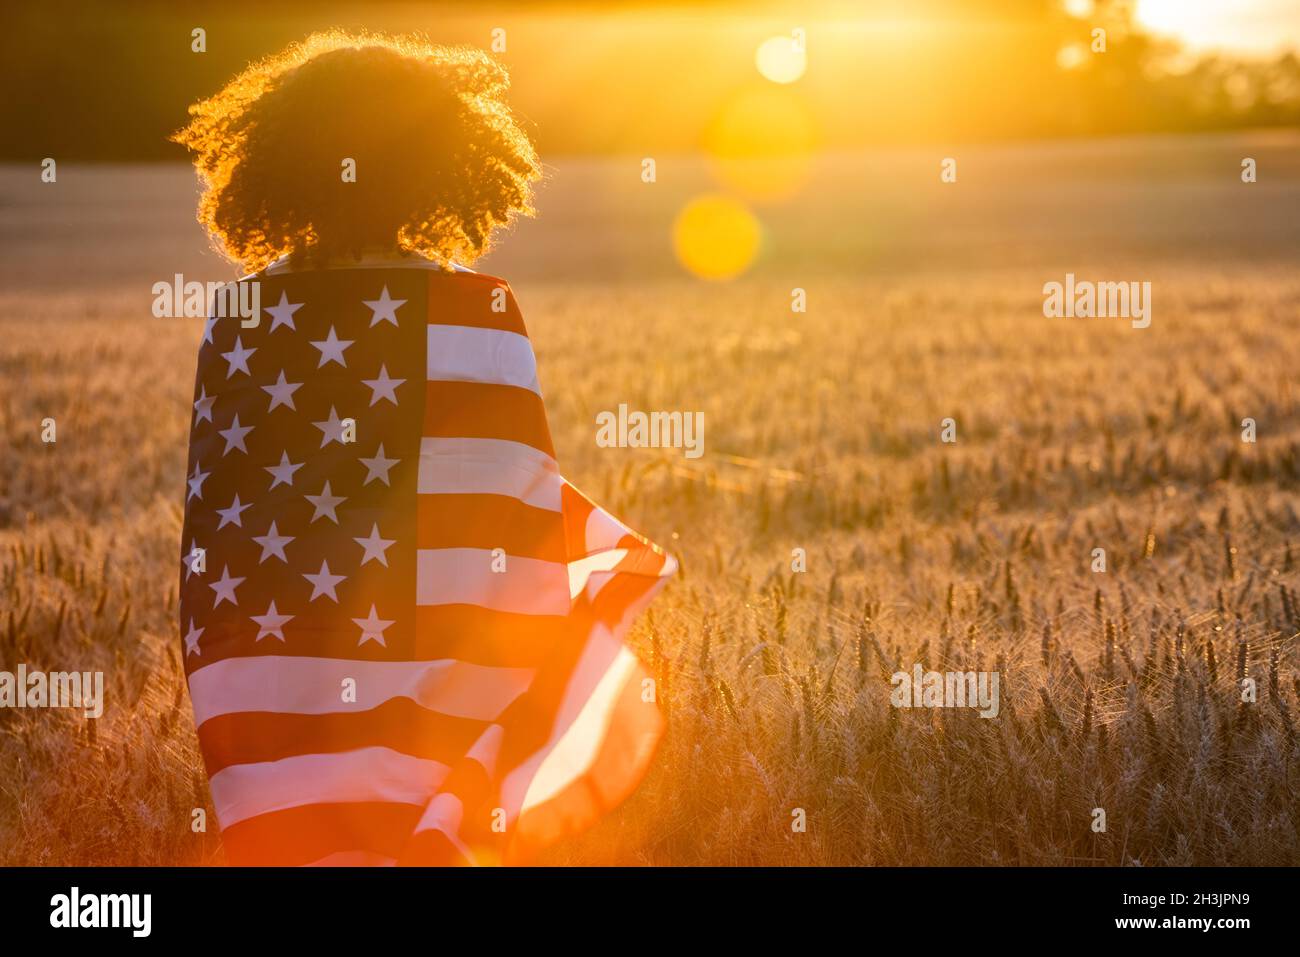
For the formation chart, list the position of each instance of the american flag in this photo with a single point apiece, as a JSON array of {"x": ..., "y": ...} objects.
[{"x": 402, "y": 628}]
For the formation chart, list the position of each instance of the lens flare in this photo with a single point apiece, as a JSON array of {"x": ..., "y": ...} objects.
[
  {"x": 1071, "y": 56},
  {"x": 716, "y": 237},
  {"x": 781, "y": 59}
]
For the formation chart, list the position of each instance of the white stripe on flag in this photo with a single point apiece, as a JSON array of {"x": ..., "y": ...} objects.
[
  {"x": 378, "y": 774},
  {"x": 468, "y": 354},
  {"x": 573, "y": 755},
  {"x": 581, "y": 570},
  {"x": 580, "y": 726},
  {"x": 491, "y": 467},
  {"x": 464, "y": 576},
  {"x": 289, "y": 685},
  {"x": 444, "y": 814},
  {"x": 603, "y": 530}
]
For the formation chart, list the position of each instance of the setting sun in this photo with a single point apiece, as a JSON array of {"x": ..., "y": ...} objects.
[{"x": 1249, "y": 26}]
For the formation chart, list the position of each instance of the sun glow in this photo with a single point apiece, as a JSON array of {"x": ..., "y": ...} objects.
[
  {"x": 1248, "y": 26},
  {"x": 716, "y": 237}
]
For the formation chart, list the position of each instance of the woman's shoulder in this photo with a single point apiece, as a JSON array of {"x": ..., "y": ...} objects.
[{"x": 285, "y": 265}]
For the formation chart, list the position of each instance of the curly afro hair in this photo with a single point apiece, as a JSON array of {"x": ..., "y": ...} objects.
[{"x": 440, "y": 161}]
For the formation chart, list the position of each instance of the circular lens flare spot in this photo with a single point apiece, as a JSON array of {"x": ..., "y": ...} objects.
[
  {"x": 1071, "y": 56},
  {"x": 716, "y": 237},
  {"x": 781, "y": 59}
]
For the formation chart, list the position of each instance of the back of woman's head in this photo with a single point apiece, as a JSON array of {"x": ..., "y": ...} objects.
[{"x": 437, "y": 160}]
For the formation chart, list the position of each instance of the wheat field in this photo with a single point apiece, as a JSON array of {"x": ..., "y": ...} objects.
[{"x": 1120, "y": 690}]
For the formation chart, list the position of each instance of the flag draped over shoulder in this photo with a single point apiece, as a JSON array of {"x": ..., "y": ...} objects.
[{"x": 402, "y": 628}]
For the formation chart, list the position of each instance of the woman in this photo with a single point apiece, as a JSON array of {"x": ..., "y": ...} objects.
[{"x": 402, "y": 628}]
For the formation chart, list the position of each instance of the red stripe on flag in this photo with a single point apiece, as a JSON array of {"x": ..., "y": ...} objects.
[
  {"x": 479, "y": 410},
  {"x": 482, "y": 636},
  {"x": 400, "y": 723},
  {"x": 471, "y": 299},
  {"x": 304, "y": 835},
  {"x": 490, "y": 521},
  {"x": 432, "y": 848}
]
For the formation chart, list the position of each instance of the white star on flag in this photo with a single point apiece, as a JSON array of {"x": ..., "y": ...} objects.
[
  {"x": 237, "y": 358},
  {"x": 331, "y": 349},
  {"x": 283, "y": 472},
  {"x": 376, "y": 547},
  {"x": 272, "y": 623},
  {"x": 196, "y": 483},
  {"x": 231, "y": 514},
  {"x": 372, "y": 628},
  {"x": 378, "y": 467},
  {"x": 384, "y": 309},
  {"x": 203, "y": 407},
  {"x": 383, "y": 387},
  {"x": 192, "y": 640},
  {"x": 208, "y": 326},
  {"x": 234, "y": 436},
  {"x": 322, "y": 583},
  {"x": 282, "y": 313},
  {"x": 331, "y": 429},
  {"x": 273, "y": 544},
  {"x": 325, "y": 504},
  {"x": 281, "y": 392},
  {"x": 225, "y": 588}
]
